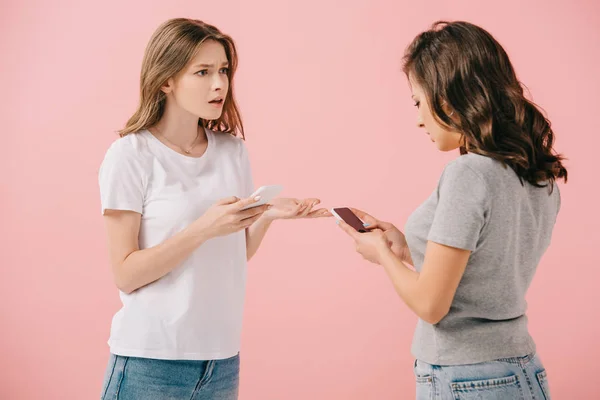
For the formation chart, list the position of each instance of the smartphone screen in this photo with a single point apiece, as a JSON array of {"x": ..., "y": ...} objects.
[{"x": 350, "y": 218}]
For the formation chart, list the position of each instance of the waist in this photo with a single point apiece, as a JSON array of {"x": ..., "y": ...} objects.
[{"x": 469, "y": 341}]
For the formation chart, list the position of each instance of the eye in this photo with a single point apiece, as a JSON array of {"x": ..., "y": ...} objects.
[
  {"x": 417, "y": 104},
  {"x": 224, "y": 70},
  {"x": 202, "y": 72}
]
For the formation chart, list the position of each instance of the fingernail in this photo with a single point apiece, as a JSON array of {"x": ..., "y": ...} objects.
[
  {"x": 337, "y": 221},
  {"x": 257, "y": 198},
  {"x": 366, "y": 225}
]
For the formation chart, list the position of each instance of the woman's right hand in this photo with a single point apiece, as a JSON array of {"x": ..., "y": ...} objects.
[
  {"x": 226, "y": 216},
  {"x": 396, "y": 238}
]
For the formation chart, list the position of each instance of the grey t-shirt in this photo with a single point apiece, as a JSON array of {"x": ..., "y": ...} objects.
[{"x": 481, "y": 206}]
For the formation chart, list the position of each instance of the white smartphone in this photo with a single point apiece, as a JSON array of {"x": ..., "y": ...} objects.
[{"x": 266, "y": 193}]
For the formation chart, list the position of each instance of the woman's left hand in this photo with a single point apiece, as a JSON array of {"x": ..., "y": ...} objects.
[
  {"x": 371, "y": 245},
  {"x": 287, "y": 208}
]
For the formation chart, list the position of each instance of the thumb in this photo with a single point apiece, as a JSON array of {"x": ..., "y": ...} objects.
[
  {"x": 247, "y": 201},
  {"x": 348, "y": 229}
]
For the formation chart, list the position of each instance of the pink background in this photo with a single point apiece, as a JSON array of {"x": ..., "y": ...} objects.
[{"x": 328, "y": 113}]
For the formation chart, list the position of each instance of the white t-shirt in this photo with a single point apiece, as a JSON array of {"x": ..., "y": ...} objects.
[{"x": 195, "y": 311}]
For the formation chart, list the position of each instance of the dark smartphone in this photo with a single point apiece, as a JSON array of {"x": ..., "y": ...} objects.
[{"x": 350, "y": 218}]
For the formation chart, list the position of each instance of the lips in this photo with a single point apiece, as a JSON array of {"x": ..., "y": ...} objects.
[{"x": 218, "y": 100}]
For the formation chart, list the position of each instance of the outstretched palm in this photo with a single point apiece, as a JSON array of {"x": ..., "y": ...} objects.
[{"x": 289, "y": 208}]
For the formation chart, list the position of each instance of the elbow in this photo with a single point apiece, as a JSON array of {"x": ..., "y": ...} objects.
[
  {"x": 122, "y": 278},
  {"x": 433, "y": 314},
  {"x": 124, "y": 287},
  {"x": 123, "y": 282}
]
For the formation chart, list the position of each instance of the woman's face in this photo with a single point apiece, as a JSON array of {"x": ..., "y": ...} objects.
[
  {"x": 444, "y": 139},
  {"x": 202, "y": 86}
]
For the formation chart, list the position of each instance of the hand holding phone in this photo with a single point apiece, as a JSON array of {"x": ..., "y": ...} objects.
[
  {"x": 266, "y": 193},
  {"x": 346, "y": 215}
]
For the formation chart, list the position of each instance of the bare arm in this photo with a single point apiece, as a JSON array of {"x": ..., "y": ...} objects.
[
  {"x": 255, "y": 235},
  {"x": 134, "y": 268},
  {"x": 429, "y": 293}
]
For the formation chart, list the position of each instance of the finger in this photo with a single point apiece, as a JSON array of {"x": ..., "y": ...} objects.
[
  {"x": 348, "y": 229},
  {"x": 372, "y": 221},
  {"x": 372, "y": 226},
  {"x": 307, "y": 209},
  {"x": 249, "y": 221},
  {"x": 319, "y": 213},
  {"x": 246, "y": 202},
  {"x": 298, "y": 209},
  {"x": 227, "y": 200},
  {"x": 252, "y": 212},
  {"x": 364, "y": 216},
  {"x": 312, "y": 202}
]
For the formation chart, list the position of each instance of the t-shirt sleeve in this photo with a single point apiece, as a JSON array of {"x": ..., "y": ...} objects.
[
  {"x": 121, "y": 181},
  {"x": 462, "y": 208},
  {"x": 246, "y": 171}
]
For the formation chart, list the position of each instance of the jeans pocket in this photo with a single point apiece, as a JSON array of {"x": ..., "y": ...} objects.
[
  {"x": 113, "y": 377},
  {"x": 424, "y": 381},
  {"x": 543, "y": 381},
  {"x": 110, "y": 368},
  {"x": 424, "y": 387},
  {"x": 490, "y": 389}
]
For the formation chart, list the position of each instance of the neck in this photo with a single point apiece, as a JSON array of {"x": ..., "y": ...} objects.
[{"x": 179, "y": 126}]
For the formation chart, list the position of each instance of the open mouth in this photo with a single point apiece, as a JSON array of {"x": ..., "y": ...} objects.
[{"x": 217, "y": 101}]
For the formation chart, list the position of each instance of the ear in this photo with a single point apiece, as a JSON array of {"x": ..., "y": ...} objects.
[
  {"x": 168, "y": 86},
  {"x": 447, "y": 108}
]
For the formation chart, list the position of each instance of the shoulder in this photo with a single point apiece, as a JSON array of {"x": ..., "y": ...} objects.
[
  {"x": 467, "y": 177},
  {"x": 228, "y": 143},
  {"x": 130, "y": 151},
  {"x": 226, "y": 139},
  {"x": 133, "y": 146},
  {"x": 470, "y": 166}
]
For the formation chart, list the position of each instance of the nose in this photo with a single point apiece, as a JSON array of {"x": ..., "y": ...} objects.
[
  {"x": 219, "y": 82},
  {"x": 420, "y": 123}
]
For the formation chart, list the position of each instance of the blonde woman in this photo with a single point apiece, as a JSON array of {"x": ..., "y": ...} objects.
[{"x": 173, "y": 187}]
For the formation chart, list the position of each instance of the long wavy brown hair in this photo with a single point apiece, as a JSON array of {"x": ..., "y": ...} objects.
[
  {"x": 472, "y": 88},
  {"x": 170, "y": 49}
]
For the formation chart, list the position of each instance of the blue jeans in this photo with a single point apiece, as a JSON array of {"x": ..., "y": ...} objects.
[
  {"x": 132, "y": 378},
  {"x": 520, "y": 378}
]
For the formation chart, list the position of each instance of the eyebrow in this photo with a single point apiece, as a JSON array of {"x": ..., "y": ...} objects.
[{"x": 210, "y": 65}]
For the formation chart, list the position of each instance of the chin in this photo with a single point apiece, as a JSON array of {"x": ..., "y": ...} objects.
[
  {"x": 445, "y": 147},
  {"x": 210, "y": 116}
]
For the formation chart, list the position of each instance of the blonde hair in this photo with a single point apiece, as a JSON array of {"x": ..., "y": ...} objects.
[{"x": 170, "y": 49}]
